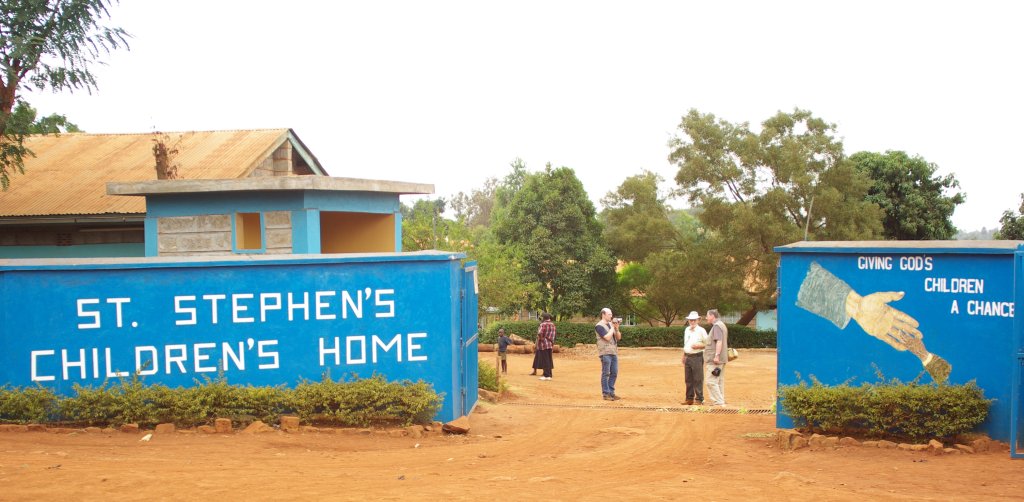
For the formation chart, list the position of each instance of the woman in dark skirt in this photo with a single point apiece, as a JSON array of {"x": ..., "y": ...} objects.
[{"x": 545, "y": 347}]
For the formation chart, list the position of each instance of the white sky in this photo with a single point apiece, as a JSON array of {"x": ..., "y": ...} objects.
[{"x": 450, "y": 93}]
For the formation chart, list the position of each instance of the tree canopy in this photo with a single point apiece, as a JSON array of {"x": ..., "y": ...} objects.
[
  {"x": 474, "y": 209},
  {"x": 669, "y": 283},
  {"x": 46, "y": 44},
  {"x": 671, "y": 265},
  {"x": 28, "y": 120},
  {"x": 1012, "y": 225},
  {"x": 636, "y": 219},
  {"x": 554, "y": 225},
  {"x": 504, "y": 283},
  {"x": 759, "y": 190},
  {"x": 912, "y": 196},
  {"x": 425, "y": 227}
]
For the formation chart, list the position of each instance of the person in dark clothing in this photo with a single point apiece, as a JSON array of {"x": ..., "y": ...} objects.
[
  {"x": 545, "y": 346},
  {"x": 503, "y": 342}
]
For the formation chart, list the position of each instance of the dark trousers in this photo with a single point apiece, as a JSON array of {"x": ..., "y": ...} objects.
[
  {"x": 545, "y": 361},
  {"x": 695, "y": 377}
]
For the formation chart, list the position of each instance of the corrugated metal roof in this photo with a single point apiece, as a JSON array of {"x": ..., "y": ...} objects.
[{"x": 69, "y": 172}]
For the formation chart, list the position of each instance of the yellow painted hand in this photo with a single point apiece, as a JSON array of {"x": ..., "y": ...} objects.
[{"x": 878, "y": 319}]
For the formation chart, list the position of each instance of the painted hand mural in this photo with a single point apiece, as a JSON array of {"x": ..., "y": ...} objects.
[{"x": 826, "y": 295}]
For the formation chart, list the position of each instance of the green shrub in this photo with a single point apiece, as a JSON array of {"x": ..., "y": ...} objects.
[
  {"x": 570, "y": 333},
  {"x": 361, "y": 402},
  {"x": 27, "y": 405},
  {"x": 366, "y": 402},
  {"x": 216, "y": 398},
  {"x": 487, "y": 378},
  {"x": 91, "y": 406},
  {"x": 894, "y": 409},
  {"x": 742, "y": 337},
  {"x": 129, "y": 401}
]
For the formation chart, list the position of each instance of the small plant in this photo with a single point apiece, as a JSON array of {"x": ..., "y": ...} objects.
[{"x": 487, "y": 379}]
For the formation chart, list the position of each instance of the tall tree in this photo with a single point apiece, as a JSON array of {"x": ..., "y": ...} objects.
[
  {"x": 46, "y": 44},
  {"x": 759, "y": 190},
  {"x": 1012, "y": 225},
  {"x": 553, "y": 222},
  {"x": 669, "y": 283},
  {"x": 913, "y": 197},
  {"x": 504, "y": 283},
  {"x": 28, "y": 120},
  {"x": 475, "y": 208},
  {"x": 425, "y": 227},
  {"x": 507, "y": 189},
  {"x": 636, "y": 219}
]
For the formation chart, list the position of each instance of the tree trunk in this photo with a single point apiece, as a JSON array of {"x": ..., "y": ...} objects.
[{"x": 747, "y": 317}]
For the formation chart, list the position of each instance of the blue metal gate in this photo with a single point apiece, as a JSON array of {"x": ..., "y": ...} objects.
[
  {"x": 470, "y": 336},
  {"x": 1016, "y": 422}
]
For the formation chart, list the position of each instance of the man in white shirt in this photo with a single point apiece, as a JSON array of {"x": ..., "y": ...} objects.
[{"x": 694, "y": 341}]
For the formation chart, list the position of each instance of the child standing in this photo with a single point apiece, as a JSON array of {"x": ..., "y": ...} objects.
[{"x": 503, "y": 343}]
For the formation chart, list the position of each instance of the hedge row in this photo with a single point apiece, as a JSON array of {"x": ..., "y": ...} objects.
[
  {"x": 570, "y": 333},
  {"x": 893, "y": 409},
  {"x": 362, "y": 402}
]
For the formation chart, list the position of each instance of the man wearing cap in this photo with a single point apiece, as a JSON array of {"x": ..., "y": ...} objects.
[{"x": 694, "y": 341}]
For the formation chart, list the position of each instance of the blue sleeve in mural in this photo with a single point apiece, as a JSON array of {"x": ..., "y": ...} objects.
[{"x": 826, "y": 295}]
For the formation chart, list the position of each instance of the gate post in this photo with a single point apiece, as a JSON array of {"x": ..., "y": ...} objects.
[{"x": 1016, "y": 441}]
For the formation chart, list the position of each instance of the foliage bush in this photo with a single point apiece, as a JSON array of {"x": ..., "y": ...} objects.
[
  {"x": 570, "y": 333},
  {"x": 889, "y": 409},
  {"x": 27, "y": 405},
  {"x": 487, "y": 378},
  {"x": 361, "y": 402},
  {"x": 366, "y": 402}
]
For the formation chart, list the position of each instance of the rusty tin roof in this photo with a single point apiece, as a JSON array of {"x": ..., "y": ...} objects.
[{"x": 69, "y": 173}]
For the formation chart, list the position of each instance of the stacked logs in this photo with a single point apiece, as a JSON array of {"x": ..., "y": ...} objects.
[{"x": 519, "y": 345}]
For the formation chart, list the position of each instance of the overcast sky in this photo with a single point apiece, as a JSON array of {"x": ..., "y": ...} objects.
[{"x": 450, "y": 93}]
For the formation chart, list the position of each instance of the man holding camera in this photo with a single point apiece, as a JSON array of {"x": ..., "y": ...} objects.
[
  {"x": 608, "y": 336},
  {"x": 716, "y": 354}
]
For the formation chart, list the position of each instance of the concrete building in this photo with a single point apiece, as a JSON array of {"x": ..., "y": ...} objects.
[
  {"x": 276, "y": 215},
  {"x": 60, "y": 206},
  {"x": 254, "y": 264}
]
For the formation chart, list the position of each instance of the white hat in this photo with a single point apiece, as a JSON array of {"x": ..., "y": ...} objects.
[{"x": 693, "y": 316}]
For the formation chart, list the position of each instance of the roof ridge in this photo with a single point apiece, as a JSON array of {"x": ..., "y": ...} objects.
[{"x": 160, "y": 132}]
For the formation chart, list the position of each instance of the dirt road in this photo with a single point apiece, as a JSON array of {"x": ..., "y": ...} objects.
[{"x": 557, "y": 440}]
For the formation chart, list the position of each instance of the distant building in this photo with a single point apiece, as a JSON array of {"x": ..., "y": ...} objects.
[
  {"x": 60, "y": 206},
  {"x": 278, "y": 215},
  {"x": 238, "y": 192}
]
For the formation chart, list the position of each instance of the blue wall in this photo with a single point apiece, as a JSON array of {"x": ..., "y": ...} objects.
[
  {"x": 178, "y": 321},
  {"x": 963, "y": 300},
  {"x": 189, "y": 204},
  {"x": 78, "y": 251}
]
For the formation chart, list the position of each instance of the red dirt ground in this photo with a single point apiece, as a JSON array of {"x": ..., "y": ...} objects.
[{"x": 554, "y": 440}]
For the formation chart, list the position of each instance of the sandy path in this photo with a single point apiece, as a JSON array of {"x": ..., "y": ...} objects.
[{"x": 553, "y": 441}]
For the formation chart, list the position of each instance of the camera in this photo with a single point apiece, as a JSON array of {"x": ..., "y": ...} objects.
[
  {"x": 716, "y": 371},
  {"x": 617, "y": 320}
]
